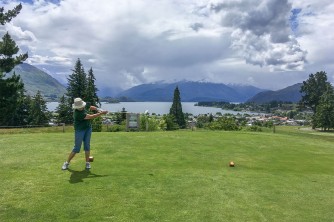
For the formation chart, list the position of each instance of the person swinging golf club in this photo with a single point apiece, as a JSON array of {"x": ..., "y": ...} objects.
[{"x": 83, "y": 130}]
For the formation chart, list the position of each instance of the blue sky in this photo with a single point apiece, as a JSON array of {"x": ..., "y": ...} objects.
[
  {"x": 294, "y": 19},
  {"x": 32, "y": 1},
  {"x": 270, "y": 44}
]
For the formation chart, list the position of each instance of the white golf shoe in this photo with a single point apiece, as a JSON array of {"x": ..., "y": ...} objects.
[{"x": 65, "y": 166}]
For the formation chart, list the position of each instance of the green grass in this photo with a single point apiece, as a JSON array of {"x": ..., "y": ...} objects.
[{"x": 169, "y": 176}]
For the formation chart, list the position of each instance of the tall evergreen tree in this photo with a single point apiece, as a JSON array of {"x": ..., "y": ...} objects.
[
  {"x": 176, "y": 109},
  {"x": 77, "y": 82},
  {"x": 93, "y": 100},
  {"x": 39, "y": 114},
  {"x": 24, "y": 110},
  {"x": 10, "y": 88},
  {"x": 11, "y": 95},
  {"x": 20, "y": 116},
  {"x": 91, "y": 90},
  {"x": 76, "y": 87},
  {"x": 64, "y": 111}
]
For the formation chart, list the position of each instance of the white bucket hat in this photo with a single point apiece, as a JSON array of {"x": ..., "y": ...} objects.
[{"x": 78, "y": 103}]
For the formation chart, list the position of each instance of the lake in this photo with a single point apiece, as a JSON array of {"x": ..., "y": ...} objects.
[{"x": 153, "y": 107}]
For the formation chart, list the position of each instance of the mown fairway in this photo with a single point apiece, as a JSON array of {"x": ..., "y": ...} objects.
[{"x": 170, "y": 176}]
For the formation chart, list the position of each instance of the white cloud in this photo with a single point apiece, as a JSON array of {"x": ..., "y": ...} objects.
[{"x": 134, "y": 42}]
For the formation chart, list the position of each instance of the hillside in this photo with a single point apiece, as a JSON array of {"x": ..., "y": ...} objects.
[
  {"x": 190, "y": 92},
  {"x": 288, "y": 94},
  {"x": 35, "y": 79}
]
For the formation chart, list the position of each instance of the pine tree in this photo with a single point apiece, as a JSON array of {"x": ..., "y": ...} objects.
[
  {"x": 176, "y": 109},
  {"x": 91, "y": 90},
  {"x": 20, "y": 116},
  {"x": 77, "y": 82},
  {"x": 39, "y": 114},
  {"x": 93, "y": 100},
  {"x": 8, "y": 48},
  {"x": 11, "y": 89},
  {"x": 25, "y": 110},
  {"x": 64, "y": 111},
  {"x": 9, "y": 15},
  {"x": 11, "y": 92},
  {"x": 76, "y": 88}
]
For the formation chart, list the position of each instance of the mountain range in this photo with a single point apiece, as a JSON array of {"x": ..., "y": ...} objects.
[
  {"x": 35, "y": 80},
  {"x": 190, "y": 92},
  {"x": 288, "y": 94}
]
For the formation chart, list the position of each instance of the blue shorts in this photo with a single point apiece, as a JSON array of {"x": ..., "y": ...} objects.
[{"x": 82, "y": 136}]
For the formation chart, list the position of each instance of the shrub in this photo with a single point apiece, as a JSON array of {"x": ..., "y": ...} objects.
[
  {"x": 149, "y": 123},
  {"x": 170, "y": 122},
  {"x": 224, "y": 123},
  {"x": 97, "y": 124},
  {"x": 255, "y": 128},
  {"x": 116, "y": 128}
]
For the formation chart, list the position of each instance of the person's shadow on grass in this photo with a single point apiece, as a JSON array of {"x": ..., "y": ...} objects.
[{"x": 79, "y": 176}]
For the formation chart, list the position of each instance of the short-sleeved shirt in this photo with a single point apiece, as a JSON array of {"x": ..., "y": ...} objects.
[{"x": 80, "y": 123}]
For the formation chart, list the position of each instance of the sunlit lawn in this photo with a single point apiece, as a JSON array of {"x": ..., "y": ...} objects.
[{"x": 169, "y": 176}]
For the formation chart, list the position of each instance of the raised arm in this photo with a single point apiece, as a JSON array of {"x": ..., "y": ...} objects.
[{"x": 92, "y": 116}]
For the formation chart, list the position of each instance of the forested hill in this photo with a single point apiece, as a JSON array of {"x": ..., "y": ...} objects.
[
  {"x": 35, "y": 79},
  {"x": 190, "y": 92},
  {"x": 288, "y": 94}
]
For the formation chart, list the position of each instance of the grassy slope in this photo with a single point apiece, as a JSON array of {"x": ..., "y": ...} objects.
[{"x": 169, "y": 176}]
